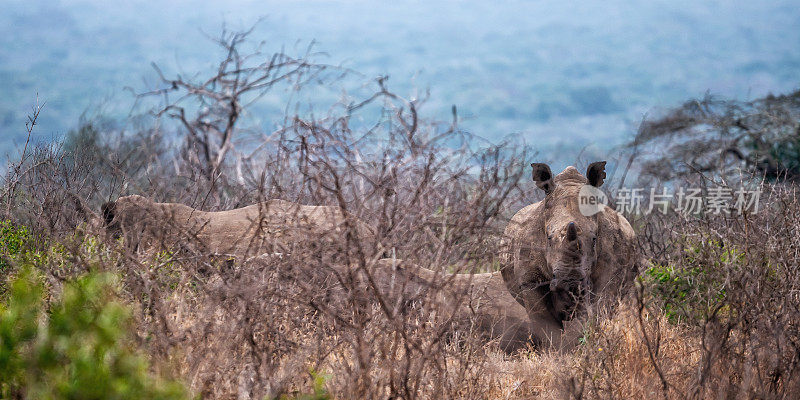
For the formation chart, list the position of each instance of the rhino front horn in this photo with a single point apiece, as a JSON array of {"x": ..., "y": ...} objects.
[{"x": 572, "y": 232}]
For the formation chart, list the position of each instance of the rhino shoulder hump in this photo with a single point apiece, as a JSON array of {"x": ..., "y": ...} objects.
[{"x": 523, "y": 219}]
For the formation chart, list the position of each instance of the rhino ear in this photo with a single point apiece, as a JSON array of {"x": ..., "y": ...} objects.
[
  {"x": 543, "y": 177},
  {"x": 596, "y": 173}
]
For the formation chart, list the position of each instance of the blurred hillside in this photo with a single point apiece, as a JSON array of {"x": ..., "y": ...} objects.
[{"x": 559, "y": 74}]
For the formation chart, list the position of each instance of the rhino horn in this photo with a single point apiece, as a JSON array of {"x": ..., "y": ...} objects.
[{"x": 572, "y": 232}]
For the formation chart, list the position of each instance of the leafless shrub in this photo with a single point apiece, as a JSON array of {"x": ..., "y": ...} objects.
[
  {"x": 252, "y": 327},
  {"x": 209, "y": 110}
]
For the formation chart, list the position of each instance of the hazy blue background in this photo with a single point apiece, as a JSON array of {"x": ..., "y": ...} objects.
[{"x": 563, "y": 74}]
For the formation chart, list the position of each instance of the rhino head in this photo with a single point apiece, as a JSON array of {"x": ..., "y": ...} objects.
[{"x": 570, "y": 238}]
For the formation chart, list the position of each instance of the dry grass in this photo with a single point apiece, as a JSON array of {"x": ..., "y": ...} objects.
[{"x": 280, "y": 325}]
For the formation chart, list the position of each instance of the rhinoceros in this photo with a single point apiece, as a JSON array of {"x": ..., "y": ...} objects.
[
  {"x": 271, "y": 226},
  {"x": 556, "y": 261},
  {"x": 478, "y": 302}
]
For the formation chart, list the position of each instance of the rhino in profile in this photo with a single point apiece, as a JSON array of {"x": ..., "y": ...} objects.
[
  {"x": 272, "y": 226},
  {"x": 473, "y": 301},
  {"x": 556, "y": 261}
]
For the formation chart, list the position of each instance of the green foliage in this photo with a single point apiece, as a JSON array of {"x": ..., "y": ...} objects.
[
  {"x": 671, "y": 287},
  {"x": 78, "y": 349},
  {"x": 319, "y": 391},
  {"x": 695, "y": 286},
  {"x": 13, "y": 241}
]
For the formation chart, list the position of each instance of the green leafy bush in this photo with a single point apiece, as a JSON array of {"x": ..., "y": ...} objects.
[
  {"x": 319, "y": 391},
  {"x": 79, "y": 348},
  {"x": 695, "y": 285},
  {"x": 671, "y": 288},
  {"x": 13, "y": 239}
]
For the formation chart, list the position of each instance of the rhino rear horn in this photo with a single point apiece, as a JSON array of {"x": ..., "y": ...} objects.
[
  {"x": 543, "y": 177},
  {"x": 596, "y": 173}
]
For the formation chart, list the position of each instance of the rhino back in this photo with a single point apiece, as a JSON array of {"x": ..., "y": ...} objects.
[{"x": 271, "y": 226}]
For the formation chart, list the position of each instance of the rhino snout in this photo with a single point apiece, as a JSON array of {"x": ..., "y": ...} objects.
[{"x": 565, "y": 297}]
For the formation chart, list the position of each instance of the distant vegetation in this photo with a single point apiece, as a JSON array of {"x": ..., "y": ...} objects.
[{"x": 724, "y": 138}]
